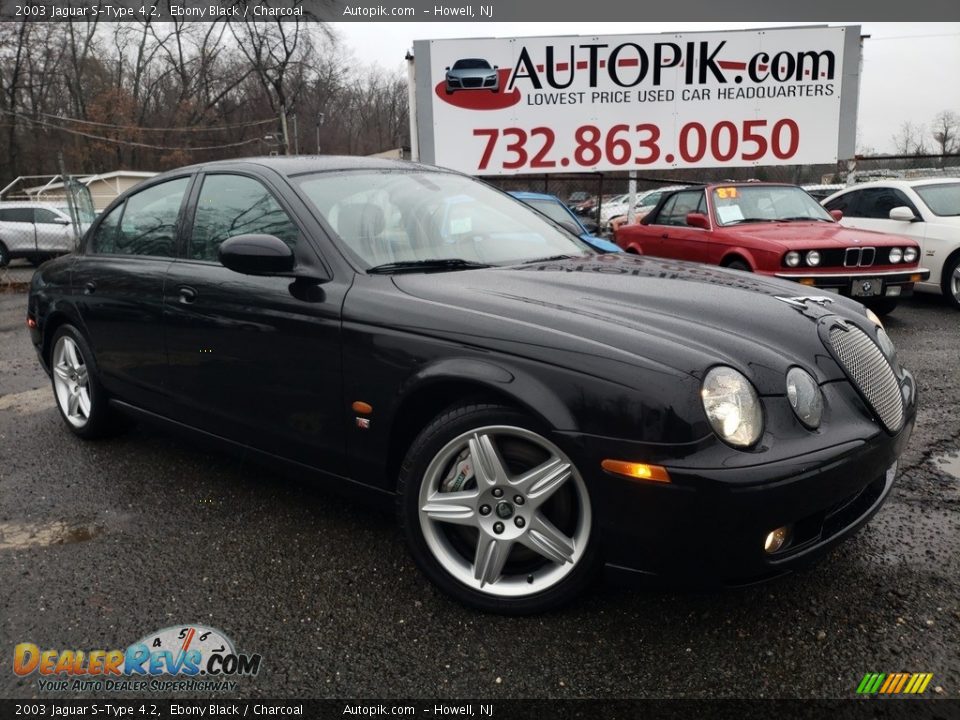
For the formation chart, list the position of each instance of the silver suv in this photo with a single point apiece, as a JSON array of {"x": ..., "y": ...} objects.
[{"x": 35, "y": 231}]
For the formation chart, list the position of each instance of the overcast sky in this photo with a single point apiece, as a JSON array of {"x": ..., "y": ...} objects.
[{"x": 910, "y": 70}]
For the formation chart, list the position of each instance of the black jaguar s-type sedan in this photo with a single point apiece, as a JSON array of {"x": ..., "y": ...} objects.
[{"x": 536, "y": 409}]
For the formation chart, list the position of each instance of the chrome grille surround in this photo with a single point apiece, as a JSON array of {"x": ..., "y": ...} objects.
[{"x": 870, "y": 372}]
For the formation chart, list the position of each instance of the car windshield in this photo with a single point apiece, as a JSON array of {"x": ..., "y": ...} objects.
[
  {"x": 397, "y": 217},
  {"x": 553, "y": 210},
  {"x": 471, "y": 65},
  {"x": 766, "y": 203},
  {"x": 943, "y": 199}
]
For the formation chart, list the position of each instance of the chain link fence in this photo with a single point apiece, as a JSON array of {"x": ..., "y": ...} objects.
[{"x": 40, "y": 221}]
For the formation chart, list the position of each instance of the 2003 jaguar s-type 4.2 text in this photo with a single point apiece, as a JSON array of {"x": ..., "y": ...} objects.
[{"x": 538, "y": 410}]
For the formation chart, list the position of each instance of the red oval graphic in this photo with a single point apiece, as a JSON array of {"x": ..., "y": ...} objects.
[{"x": 480, "y": 99}]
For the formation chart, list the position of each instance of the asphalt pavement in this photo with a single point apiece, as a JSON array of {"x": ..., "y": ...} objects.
[{"x": 102, "y": 543}]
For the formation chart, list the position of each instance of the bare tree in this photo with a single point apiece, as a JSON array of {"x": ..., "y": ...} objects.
[
  {"x": 277, "y": 53},
  {"x": 946, "y": 131},
  {"x": 909, "y": 140}
]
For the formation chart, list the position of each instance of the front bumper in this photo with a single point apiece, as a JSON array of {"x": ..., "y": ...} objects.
[
  {"x": 893, "y": 283},
  {"x": 707, "y": 527}
]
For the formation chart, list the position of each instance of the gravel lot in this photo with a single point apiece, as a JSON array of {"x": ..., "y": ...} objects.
[{"x": 102, "y": 543}]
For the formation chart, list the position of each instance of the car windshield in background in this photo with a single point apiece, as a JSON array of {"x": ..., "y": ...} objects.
[
  {"x": 471, "y": 64},
  {"x": 942, "y": 199},
  {"x": 766, "y": 203},
  {"x": 396, "y": 218},
  {"x": 551, "y": 209}
]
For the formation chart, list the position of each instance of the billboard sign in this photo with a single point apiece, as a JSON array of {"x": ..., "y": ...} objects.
[{"x": 635, "y": 102}]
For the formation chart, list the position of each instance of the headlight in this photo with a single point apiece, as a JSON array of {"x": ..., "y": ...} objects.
[
  {"x": 732, "y": 406},
  {"x": 813, "y": 258},
  {"x": 792, "y": 258},
  {"x": 805, "y": 397},
  {"x": 887, "y": 347},
  {"x": 896, "y": 255},
  {"x": 910, "y": 254}
]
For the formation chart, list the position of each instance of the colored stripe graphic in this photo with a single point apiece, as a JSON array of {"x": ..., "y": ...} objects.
[{"x": 894, "y": 683}]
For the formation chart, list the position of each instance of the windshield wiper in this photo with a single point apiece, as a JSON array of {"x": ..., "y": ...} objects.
[
  {"x": 803, "y": 217},
  {"x": 548, "y": 259},
  {"x": 751, "y": 220},
  {"x": 426, "y": 266}
]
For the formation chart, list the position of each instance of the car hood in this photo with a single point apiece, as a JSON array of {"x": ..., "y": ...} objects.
[
  {"x": 821, "y": 235},
  {"x": 472, "y": 73},
  {"x": 635, "y": 311}
]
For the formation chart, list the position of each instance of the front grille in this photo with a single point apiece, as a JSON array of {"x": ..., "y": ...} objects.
[
  {"x": 870, "y": 372},
  {"x": 472, "y": 82},
  {"x": 859, "y": 257}
]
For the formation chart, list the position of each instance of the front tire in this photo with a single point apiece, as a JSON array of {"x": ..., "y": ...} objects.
[
  {"x": 495, "y": 514},
  {"x": 951, "y": 282},
  {"x": 883, "y": 306},
  {"x": 739, "y": 265},
  {"x": 80, "y": 397}
]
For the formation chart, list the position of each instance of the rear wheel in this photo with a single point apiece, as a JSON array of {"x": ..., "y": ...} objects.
[
  {"x": 951, "y": 282},
  {"x": 4, "y": 255},
  {"x": 80, "y": 397},
  {"x": 496, "y": 514},
  {"x": 739, "y": 265}
]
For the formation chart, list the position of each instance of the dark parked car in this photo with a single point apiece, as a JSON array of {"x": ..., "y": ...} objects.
[{"x": 535, "y": 409}]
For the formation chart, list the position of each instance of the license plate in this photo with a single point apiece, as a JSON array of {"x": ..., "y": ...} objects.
[{"x": 866, "y": 287}]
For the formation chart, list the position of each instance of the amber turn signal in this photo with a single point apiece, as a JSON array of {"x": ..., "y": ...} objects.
[
  {"x": 638, "y": 471},
  {"x": 362, "y": 408}
]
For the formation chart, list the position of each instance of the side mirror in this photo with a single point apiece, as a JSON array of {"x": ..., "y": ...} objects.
[
  {"x": 836, "y": 214},
  {"x": 903, "y": 214},
  {"x": 698, "y": 220},
  {"x": 496, "y": 67},
  {"x": 257, "y": 255},
  {"x": 447, "y": 68}
]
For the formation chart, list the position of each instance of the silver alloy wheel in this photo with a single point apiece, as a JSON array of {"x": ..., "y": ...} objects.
[
  {"x": 955, "y": 283},
  {"x": 506, "y": 510},
  {"x": 71, "y": 381}
]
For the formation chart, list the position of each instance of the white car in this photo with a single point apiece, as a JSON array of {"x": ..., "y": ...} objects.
[
  {"x": 35, "y": 231},
  {"x": 926, "y": 210},
  {"x": 620, "y": 205}
]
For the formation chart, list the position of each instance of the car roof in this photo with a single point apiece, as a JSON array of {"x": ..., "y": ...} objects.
[
  {"x": 30, "y": 204},
  {"x": 289, "y": 165},
  {"x": 903, "y": 182},
  {"x": 527, "y": 195}
]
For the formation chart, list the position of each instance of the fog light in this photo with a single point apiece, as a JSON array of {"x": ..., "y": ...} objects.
[
  {"x": 776, "y": 539},
  {"x": 893, "y": 290}
]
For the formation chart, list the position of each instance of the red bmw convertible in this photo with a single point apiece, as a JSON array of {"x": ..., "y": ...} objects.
[{"x": 780, "y": 230}]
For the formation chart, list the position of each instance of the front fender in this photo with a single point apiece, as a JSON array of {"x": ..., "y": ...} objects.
[{"x": 502, "y": 378}]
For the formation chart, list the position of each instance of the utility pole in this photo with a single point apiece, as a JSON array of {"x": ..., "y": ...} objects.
[
  {"x": 320, "y": 118},
  {"x": 283, "y": 127}
]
